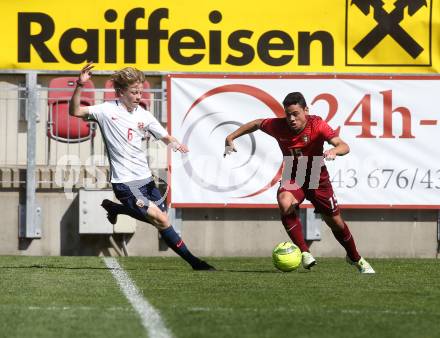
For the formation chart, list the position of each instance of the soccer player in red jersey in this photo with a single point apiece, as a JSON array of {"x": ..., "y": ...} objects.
[{"x": 301, "y": 138}]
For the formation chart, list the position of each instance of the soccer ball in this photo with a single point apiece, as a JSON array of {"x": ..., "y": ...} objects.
[{"x": 286, "y": 256}]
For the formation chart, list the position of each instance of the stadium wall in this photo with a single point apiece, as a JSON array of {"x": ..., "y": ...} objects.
[{"x": 217, "y": 232}]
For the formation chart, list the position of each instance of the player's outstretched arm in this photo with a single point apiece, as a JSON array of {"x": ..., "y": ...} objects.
[
  {"x": 174, "y": 144},
  {"x": 340, "y": 148},
  {"x": 75, "y": 108},
  {"x": 247, "y": 128}
]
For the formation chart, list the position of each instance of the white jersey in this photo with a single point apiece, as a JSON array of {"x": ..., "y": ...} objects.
[{"x": 123, "y": 132}]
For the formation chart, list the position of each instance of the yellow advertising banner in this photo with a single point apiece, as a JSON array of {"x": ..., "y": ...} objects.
[{"x": 320, "y": 36}]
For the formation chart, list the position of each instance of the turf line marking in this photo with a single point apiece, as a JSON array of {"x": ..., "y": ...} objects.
[{"x": 150, "y": 317}]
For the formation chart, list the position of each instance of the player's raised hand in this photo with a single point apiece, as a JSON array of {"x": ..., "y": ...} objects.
[
  {"x": 86, "y": 73},
  {"x": 229, "y": 147},
  {"x": 329, "y": 155}
]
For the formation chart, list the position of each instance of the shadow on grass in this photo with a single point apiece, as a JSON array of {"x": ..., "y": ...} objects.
[
  {"x": 262, "y": 271},
  {"x": 176, "y": 269},
  {"x": 42, "y": 266},
  {"x": 228, "y": 270}
]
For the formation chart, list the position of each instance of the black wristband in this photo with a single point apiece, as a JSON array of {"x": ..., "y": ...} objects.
[{"x": 79, "y": 83}]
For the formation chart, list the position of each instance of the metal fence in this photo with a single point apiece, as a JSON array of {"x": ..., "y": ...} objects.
[
  {"x": 39, "y": 147},
  {"x": 79, "y": 159}
]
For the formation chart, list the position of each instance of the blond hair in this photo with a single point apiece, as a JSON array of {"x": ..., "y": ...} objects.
[{"x": 125, "y": 77}]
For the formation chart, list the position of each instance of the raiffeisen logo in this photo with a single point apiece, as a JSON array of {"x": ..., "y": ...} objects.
[
  {"x": 388, "y": 33},
  {"x": 144, "y": 32}
]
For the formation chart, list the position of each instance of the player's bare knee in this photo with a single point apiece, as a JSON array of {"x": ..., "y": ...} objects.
[
  {"x": 157, "y": 217},
  {"x": 161, "y": 226},
  {"x": 284, "y": 210},
  {"x": 286, "y": 203},
  {"x": 159, "y": 220},
  {"x": 163, "y": 222},
  {"x": 288, "y": 209},
  {"x": 288, "y": 206}
]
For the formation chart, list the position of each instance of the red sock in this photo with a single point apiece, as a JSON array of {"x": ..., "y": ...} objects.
[
  {"x": 345, "y": 238},
  {"x": 293, "y": 227}
]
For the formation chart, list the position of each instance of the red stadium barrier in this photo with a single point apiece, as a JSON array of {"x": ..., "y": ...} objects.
[{"x": 61, "y": 126}]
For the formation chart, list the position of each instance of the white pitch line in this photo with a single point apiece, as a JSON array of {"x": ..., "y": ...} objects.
[{"x": 150, "y": 317}]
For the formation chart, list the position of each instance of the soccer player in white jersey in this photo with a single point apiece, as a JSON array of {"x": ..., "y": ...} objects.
[{"x": 123, "y": 124}]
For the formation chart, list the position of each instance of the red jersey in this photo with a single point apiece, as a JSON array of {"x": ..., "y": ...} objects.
[{"x": 309, "y": 143}]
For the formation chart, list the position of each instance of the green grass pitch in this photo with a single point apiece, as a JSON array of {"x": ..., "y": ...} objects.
[{"x": 247, "y": 297}]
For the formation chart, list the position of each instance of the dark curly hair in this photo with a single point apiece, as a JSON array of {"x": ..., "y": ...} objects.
[{"x": 294, "y": 98}]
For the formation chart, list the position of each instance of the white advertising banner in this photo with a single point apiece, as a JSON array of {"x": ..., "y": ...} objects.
[{"x": 390, "y": 123}]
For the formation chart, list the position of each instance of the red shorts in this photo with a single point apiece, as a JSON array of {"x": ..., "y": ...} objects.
[{"x": 323, "y": 198}]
